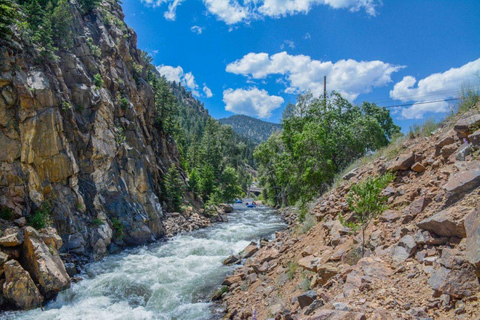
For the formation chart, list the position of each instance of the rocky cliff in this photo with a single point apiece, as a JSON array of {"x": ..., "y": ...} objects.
[
  {"x": 423, "y": 253},
  {"x": 79, "y": 147}
]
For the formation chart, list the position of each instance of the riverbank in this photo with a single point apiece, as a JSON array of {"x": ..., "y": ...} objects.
[
  {"x": 172, "y": 279},
  {"x": 422, "y": 253}
]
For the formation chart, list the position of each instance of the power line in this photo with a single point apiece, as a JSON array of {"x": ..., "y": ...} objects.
[{"x": 423, "y": 102}]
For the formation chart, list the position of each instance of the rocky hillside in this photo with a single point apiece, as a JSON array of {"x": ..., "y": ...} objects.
[
  {"x": 79, "y": 151},
  {"x": 423, "y": 253},
  {"x": 251, "y": 128}
]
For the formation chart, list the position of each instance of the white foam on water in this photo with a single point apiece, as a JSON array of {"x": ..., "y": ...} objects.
[{"x": 170, "y": 280}]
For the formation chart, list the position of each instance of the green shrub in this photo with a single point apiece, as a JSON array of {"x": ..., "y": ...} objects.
[
  {"x": 94, "y": 49},
  {"x": 97, "y": 222},
  {"x": 123, "y": 103},
  {"x": 292, "y": 268},
  {"x": 307, "y": 223},
  {"x": 66, "y": 106},
  {"x": 89, "y": 5},
  {"x": 366, "y": 202},
  {"x": 304, "y": 285},
  {"x": 469, "y": 97},
  {"x": 41, "y": 217},
  {"x": 98, "y": 81},
  {"x": 120, "y": 136},
  {"x": 8, "y": 13},
  {"x": 6, "y": 213},
  {"x": 117, "y": 229}
]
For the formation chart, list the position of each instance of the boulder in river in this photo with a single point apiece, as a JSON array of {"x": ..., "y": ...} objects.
[
  {"x": 19, "y": 287},
  {"x": 44, "y": 264}
]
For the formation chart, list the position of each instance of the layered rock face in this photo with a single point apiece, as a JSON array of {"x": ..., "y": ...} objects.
[{"x": 89, "y": 149}]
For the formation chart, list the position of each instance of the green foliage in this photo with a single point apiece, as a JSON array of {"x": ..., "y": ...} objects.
[
  {"x": 230, "y": 188},
  {"x": 307, "y": 224},
  {"x": 469, "y": 97},
  {"x": 62, "y": 25},
  {"x": 120, "y": 135},
  {"x": 89, "y": 5},
  {"x": 8, "y": 12},
  {"x": 41, "y": 217},
  {"x": 123, "y": 102},
  {"x": 94, "y": 49},
  {"x": 66, "y": 106},
  {"x": 425, "y": 130},
  {"x": 366, "y": 202},
  {"x": 97, "y": 222},
  {"x": 98, "y": 81},
  {"x": 319, "y": 139},
  {"x": 117, "y": 229},
  {"x": 173, "y": 189},
  {"x": 304, "y": 285},
  {"x": 291, "y": 269},
  {"x": 6, "y": 213}
]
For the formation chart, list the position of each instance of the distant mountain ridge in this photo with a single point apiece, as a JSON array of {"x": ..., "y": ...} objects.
[{"x": 251, "y": 128}]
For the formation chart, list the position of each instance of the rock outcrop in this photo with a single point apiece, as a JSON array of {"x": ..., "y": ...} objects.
[
  {"x": 44, "y": 264},
  {"x": 422, "y": 256},
  {"x": 19, "y": 287},
  {"x": 92, "y": 151}
]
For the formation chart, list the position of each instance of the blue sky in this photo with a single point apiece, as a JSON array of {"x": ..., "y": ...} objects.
[{"x": 255, "y": 56}]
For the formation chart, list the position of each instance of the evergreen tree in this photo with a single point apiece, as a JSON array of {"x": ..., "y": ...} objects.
[
  {"x": 173, "y": 188},
  {"x": 7, "y": 16}
]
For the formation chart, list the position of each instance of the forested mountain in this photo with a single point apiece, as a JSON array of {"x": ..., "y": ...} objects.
[{"x": 251, "y": 128}]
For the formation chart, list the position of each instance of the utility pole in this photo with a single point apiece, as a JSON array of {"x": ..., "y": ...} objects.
[
  {"x": 325, "y": 94},
  {"x": 325, "y": 87}
]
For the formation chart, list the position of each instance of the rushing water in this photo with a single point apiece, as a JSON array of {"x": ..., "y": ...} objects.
[{"x": 169, "y": 280}]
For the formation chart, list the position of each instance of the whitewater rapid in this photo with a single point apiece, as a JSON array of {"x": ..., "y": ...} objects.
[{"x": 169, "y": 280}]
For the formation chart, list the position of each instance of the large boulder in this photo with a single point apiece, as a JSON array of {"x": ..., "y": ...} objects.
[
  {"x": 447, "y": 223},
  {"x": 307, "y": 298},
  {"x": 472, "y": 226},
  {"x": 462, "y": 127},
  {"x": 51, "y": 238},
  {"x": 475, "y": 139},
  {"x": 12, "y": 237},
  {"x": 455, "y": 277},
  {"x": 44, "y": 264},
  {"x": 337, "y": 315},
  {"x": 19, "y": 287},
  {"x": 249, "y": 251},
  {"x": 445, "y": 140},
  {"x": 462, "y": 182},
  {"x": 402, "y": 162}
]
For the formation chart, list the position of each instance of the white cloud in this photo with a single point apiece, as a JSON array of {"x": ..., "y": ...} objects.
[
  {"x": 235, "y": 11},
  {"x": 177, "y": 74},
  {"x": 253, "y": 102},
  {"x": 207, "y": 91},
  {"x": 197, "y": 29},
  {"x": 288, "y": 43},
  {"x": 434, "y": 87},
  {"x": 171, "y": 13},
  {"x": 276, "y": 8},
  {"x": 418, "y": 110},
  {"x": 307, "y": 36},
  {"x": 348, "y": 77},
  {"x": 229, "y": 11}
]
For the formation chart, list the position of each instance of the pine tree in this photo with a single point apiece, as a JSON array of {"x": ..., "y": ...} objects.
[
  {"x": 173, "y": 188},
  {"x": 7, "y": 16}
]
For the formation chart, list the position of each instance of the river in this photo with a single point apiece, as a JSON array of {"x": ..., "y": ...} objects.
[{"x": 165, "y": 280}]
